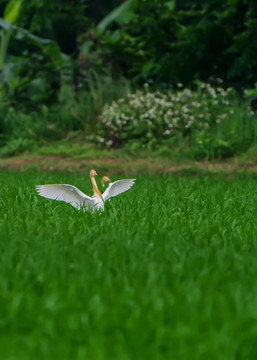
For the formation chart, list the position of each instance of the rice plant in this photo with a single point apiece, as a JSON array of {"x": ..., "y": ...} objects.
[{"x": 167, "y": 271}]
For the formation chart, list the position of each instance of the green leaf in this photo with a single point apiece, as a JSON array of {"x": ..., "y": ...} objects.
[
  {"x": 148, "y": 65},
  {"x": 49, "y": 47},
  {"x": 170, "y": 5},
  {"x": 121, "y": 14},
  {"x": 4, "y": 24},
  {"x": 232, "y": 2},
  {"x": 86, "y": 46},
  {"x": 12, "y": 10},
  {"x": 251, "y": 92}
]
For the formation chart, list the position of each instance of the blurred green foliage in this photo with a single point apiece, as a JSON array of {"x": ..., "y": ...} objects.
[
  {"x": 175, "y": 41},
  {"x": 62, "y": 62}
]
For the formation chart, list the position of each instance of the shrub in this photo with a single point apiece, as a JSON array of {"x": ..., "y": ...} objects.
[{"x": 149, "y": 119}]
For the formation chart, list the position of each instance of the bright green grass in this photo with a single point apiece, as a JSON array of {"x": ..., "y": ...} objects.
[{"x": 168, "y": 271}]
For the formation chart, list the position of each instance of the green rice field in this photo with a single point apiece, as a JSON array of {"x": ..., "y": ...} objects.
[{"x": 168, "y": 271}]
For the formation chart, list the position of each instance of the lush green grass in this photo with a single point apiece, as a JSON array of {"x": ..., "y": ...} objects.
[{"x": 168, "y": 271}]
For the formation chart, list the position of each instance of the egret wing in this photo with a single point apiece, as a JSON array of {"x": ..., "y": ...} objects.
[
  {"x": 64, "y": 192},
  {"x": 117, "y": 188}
]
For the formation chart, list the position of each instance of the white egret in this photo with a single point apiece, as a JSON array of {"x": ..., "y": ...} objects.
[
  {"x": 72, "y": 195},
  {"x": 116, "y": 188},
  {"x": 105, "y": 179}
]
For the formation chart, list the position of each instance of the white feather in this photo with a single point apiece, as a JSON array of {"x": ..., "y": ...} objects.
[
  {"x": 117, "y": 188},
  {"x": 68, "y": 193},
  {"x": 73, "y": 196}
]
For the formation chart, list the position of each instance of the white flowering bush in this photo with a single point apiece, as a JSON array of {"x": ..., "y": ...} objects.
[{"x": 151, "y": 118}]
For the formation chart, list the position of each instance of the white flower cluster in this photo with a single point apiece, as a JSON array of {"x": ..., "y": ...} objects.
[{"x": 145, "y": 115}]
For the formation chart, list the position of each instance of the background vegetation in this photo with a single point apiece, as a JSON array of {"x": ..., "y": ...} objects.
[{"x": 62, "y": 63}]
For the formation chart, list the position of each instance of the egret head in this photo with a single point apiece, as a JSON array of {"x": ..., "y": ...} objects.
[
  {"x": 93, "y": 173},
  {"x": 105, "y": 179}
]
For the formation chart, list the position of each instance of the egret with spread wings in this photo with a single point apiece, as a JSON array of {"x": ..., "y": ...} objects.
[{"x": 72, "y": 195}]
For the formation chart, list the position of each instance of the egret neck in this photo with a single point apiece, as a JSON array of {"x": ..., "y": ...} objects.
[{"x": 93, "y": 173}]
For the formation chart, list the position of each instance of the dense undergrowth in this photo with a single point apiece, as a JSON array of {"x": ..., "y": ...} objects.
[
  {"x": 207, "y": 122},
  {"x": 65, "y": 65},
  {"x": 212, "y": 121}
]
